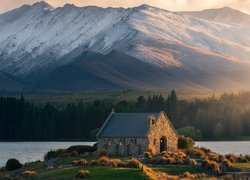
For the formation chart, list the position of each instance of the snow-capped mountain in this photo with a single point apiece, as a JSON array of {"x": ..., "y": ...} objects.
[{"x": 37, "y": 40}]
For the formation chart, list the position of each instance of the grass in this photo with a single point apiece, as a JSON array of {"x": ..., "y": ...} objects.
[
  {"x": 104, "y": 173},
  {"x": 177, "y": 170},
  {"x": 61, "y": 99},
  {"x": 241, "y": 165}
]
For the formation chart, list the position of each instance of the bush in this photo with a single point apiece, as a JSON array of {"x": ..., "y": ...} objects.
[
  {"x": 28, "y": 173},
  {"x": 81, "y": 149},
  {"x": 115, "y": 162},
  {"x": 232, "y": 157},
  {"x": 152, "y": 150},
  {"x": 211, "y": 165},
  {"x": 134, "y": 163},
  {"x": 93, "y": 163},
  {"x": 74, "y": 154},
  {"x": 188, "y": 175},
  {"x": 82, "y": 162},
  {"x": 185, "y": 142},
  {"x": 50, "y": 155},
  {"x": 147, "y": 154},
  {"x": 13, "y": 164},
  {"x": 83, "y": 174},
  {"x": 196, "y": 152},
  {"x": 104, "y": 160},
  {"x": 226, "y": 163}
]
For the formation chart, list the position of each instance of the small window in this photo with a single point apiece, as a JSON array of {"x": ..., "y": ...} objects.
[
  {"x": 153, "y": 122},
  {"x": 154, "y": 141},
  {"x": 105, "y": 146}
]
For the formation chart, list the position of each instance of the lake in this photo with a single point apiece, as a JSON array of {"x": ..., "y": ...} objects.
[{"x": 32, "y": 151}]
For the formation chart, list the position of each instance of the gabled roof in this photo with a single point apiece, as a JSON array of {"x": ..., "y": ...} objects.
[{"x": 126, "y": 125}]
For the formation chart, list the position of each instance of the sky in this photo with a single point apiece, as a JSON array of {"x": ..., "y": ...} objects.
[{"x": 172, "y": 5}]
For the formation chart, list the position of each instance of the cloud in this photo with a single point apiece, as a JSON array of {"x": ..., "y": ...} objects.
[{"x": 173, "y": 5}]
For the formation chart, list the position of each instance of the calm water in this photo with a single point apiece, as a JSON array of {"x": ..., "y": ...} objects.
[{"x": 32, "y": 151}]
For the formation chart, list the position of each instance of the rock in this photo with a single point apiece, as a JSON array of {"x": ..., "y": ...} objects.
[{"x": 13, "y": 164}]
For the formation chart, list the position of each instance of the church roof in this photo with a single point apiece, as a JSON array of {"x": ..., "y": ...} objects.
[{"x": 126, "y": 125}]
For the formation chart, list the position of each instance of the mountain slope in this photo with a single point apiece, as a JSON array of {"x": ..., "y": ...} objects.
[
  {"x": 9, "y": 83},
  {"x": 44, "y": 44},
  {"x": 224, "y": 15}
]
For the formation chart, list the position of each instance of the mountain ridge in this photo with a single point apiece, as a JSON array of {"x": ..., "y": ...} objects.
[{"x": 36, "y": 40}]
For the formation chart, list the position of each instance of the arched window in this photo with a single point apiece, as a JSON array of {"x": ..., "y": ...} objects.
[{"x": 153, "y": 121}]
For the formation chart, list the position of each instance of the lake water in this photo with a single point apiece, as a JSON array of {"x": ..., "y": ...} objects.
[{"x": 32, "y": 151}]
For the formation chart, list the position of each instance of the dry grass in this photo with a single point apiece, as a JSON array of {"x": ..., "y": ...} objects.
[
  {"x": 104, "y": 160},
  {"x": 211, "y": 165},
  {"x": 83, "y": 174},
  {"x": 115, "y": 162}
]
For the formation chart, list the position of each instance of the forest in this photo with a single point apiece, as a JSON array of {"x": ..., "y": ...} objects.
[{"x": 216, "y": 118}]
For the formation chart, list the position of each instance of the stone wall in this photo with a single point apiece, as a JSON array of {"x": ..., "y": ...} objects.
[
  {"x": 161, "y": 128},
  {"x": 158, "y": 128},
  {"x": 123, "y": 146}
]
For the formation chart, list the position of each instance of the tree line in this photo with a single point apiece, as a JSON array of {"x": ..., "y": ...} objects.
[{"x": 226, "y": 117}]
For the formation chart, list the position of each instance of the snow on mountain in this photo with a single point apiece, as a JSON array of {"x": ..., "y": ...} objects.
[
  {"x": 39, "y": 37},
  {"x": 224, "y": 15}
]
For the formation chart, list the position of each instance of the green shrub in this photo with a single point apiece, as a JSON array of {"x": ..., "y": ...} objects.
[
  {"x": 13, "y": 164},
  {"x": 185, "y": 142},
  {"x": 50, "y": 155},
  {"x": 81, "y": 149},
  {"x": 74, "y": 154},
  {"x": 134, "y": 163}
]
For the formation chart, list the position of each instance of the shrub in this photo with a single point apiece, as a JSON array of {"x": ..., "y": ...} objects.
[
  {"x": 185, "y": 142},
  {"x": 211, "y": 165},
  {"x": 213, "y": 156},
  {"x": 190, "y": 161},
  {"x": 82, "y": 162},
  {"x": 231, "y": 157},
  {"x": 188, "y": 175},
  {"x": 93, "y": 163},
  {"x": 134, "y": 163},
  {"x": 195, "y": 152},
  {"x": 28, "y": 173},
  {"x": 74, "y": 154},
  {"x": 83, "y": 174},
  {"x": 50, "y": 155},
  {"x": 74, "y": 163},
  {"x": 171, "y": 160},
  {"x": 163, "y": 160},
  {"x": 81, "y": 149},
  {"x": 147, "y": 154},
  {"x": 65, "y": 155},
  {"x": 13, "y": 164},
  {"x": 226, "y": 163},
  {"x": 104, "y": 160},
  {"x": 152, "y": 150},
  {"x": 115, "y": 162}
]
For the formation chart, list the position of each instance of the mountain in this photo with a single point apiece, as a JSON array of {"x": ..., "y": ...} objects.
[
  {"x": 78, "y": 48},
  {"x": 224, "y": 15},
  {"x": 8, "y": 82}
]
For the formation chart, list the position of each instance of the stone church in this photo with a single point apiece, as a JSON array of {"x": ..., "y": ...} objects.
[{"x": 133, "y": 133}]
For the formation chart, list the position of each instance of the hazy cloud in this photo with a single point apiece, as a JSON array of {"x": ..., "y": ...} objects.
[{"x": 173, "y": 5}]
